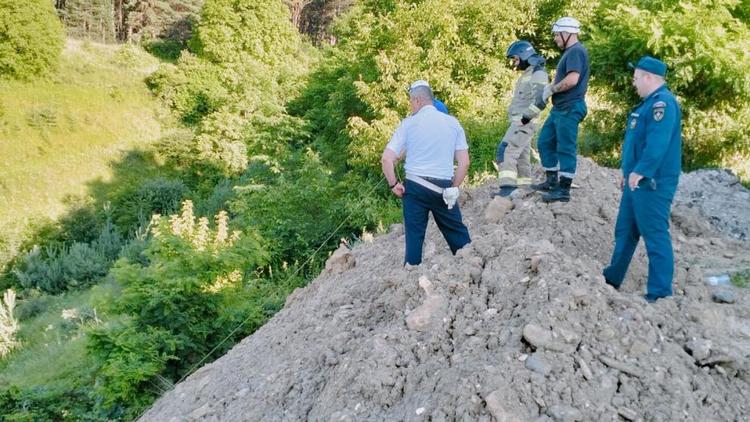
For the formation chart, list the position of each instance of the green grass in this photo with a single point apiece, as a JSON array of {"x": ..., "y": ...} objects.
[
  {"x": 61, "y": 133},
  {"x": 741, "y": 279},
  {"x": 52, "y": 351}
]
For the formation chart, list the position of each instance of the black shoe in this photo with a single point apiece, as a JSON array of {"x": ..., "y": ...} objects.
[
  {"x": 505, "y": 191},
  {"x": 561, "y": 193},
  {"x": 612, "y": 284},
  {"x": 549, "y": 184},
  {"x": 651, "y": 299}
]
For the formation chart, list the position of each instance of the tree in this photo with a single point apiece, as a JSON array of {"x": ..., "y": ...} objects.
[
  {"x": 92, "y": 19},
  {"x": 318, "y": 17},
  {"x": 706, "y": 50},
  {"x": 236, "y": 31},
  {"x": 295, "y": 9},
  {"x": 31, "y": 38}
]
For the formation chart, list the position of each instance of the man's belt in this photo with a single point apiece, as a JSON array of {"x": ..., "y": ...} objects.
[{"x": 421, "y": 181}]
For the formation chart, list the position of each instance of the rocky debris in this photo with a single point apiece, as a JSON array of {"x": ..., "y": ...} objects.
[
  {"x": 341, "y": 260},
  {"x": 504, "y": 405},
  {"x": 499, "y": 206},
  {"x": 723, "y": 295},
  {"x": 719, "y": 198},
  {"x": 518, "y": 326},
  {"x": 431, "y": 312},
  {"x": 564, "y": 413}
]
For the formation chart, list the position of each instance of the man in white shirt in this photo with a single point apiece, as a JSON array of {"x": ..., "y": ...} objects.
[{"x": 432, "y": 141}]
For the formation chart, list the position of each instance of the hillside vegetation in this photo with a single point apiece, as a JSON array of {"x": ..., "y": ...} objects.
[
  {"x": 143, "y": 243},
  {"x": 60, "y": 134}
]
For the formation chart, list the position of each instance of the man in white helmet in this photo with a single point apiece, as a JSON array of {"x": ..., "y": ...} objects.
[{"x": 558, "y": 137}]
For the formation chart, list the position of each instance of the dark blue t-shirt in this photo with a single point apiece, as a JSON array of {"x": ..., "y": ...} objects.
[{"x": 574, "y": 59}]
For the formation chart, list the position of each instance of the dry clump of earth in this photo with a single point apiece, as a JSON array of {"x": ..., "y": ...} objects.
[{"x": 518, "y": 326}]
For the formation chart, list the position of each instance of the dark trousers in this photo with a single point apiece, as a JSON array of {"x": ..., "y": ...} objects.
[
  {"x": 418, "y": 202},
  {"x": 559, "y": 136},
  {"x": 500, "y": 151},
  {"x": 645, "y": 212}
]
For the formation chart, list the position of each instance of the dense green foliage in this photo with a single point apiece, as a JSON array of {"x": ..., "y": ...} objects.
[
  {"x": 175, "y": 308},
  {"x": 708, "y": 71},
  {"x": 287, "y": 138},
  {"x": 60, "y": 267},
  {"x": 31, "y": 38},
  {"x": 233, "y": 31}
]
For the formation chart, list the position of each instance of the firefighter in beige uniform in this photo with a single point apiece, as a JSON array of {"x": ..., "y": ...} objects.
[{"x": 514, "y": 166}]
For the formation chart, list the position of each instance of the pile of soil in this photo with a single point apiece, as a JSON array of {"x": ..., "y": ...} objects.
[{"x": 518, "y": 326}]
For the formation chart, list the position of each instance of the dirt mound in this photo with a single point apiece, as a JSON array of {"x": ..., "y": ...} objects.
[
  {"x": 518, "y": 326},
  {"x": 719, "y": 198}
]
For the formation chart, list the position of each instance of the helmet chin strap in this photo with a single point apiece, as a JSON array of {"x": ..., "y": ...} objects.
[{"x": 565, "y": 40}]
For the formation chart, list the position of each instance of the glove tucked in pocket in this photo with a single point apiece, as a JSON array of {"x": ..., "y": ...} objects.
[{"x": 450, "y": 196}]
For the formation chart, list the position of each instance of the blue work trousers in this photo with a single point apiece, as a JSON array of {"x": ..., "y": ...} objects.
[
  {"x": 418, "y": 202},
  {"x": 558, "y": 138},
  {"x": 645, "y": 212}
]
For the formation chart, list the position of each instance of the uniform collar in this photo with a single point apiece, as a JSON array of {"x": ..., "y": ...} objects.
[{"x": 662, "y": 87}]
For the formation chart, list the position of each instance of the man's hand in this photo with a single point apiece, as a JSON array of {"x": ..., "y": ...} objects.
[
  {"x": 547, "y": 92},
  {"x": 450, "y": 196},
  {"x": 633, "y": 180},
  {"x": 398, "y": 190}
]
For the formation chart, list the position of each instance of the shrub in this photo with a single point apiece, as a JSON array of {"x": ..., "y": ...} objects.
[
  {"x": 80, "y": 224},
  {"x": 33, "y": 304},
  {"x": 56, "y": 268},
  {"x": 232, "y": 31},
  {"x": 31, "y": 38},
  {"x": 154, "y": 196},
  {"x": 193, "y": 89},
  {"x": 172, "y": 307},
  {"x": 299, "y": 209}
]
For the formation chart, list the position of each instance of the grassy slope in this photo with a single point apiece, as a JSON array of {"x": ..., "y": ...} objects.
[
  {"x": 57, "y": 137},
  {"x": 58, "y": 134},
  {"x": 52, "y": 348}
]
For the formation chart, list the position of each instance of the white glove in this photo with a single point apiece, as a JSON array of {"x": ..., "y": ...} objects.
[
  {"x": 450, "y": 196},
  {"x": 547, "y": 92}
]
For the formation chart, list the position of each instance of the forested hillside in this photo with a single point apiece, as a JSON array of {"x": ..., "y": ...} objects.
[{"x": 181, "y": 166}]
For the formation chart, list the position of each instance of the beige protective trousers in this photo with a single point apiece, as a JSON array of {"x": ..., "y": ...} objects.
[{"x": 516, "y": 167}]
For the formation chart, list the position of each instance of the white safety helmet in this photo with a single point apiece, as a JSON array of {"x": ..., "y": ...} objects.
[
  {"x": 418, "y": 83},
  {"x": 567, "y": 24}
]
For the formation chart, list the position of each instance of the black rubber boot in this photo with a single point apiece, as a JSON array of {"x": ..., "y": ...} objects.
[
  {"x": 548, "y": 185},
  {"x": 505, "y": 191},
  {"x": 561, "y": 194}
]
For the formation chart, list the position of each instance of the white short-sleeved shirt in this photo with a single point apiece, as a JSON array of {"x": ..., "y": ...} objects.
[{"x": 430, "y": 139}]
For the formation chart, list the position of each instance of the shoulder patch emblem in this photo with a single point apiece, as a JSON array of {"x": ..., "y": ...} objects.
[{"x": 658, "y": 108}]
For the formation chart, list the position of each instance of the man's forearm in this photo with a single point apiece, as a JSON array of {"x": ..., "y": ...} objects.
[
  {"x": 462, "y": 157},
  {"x": 387, "y": 163},
  {"x": 460, "y": 176},
  {"x": 569, "y": 81}
]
